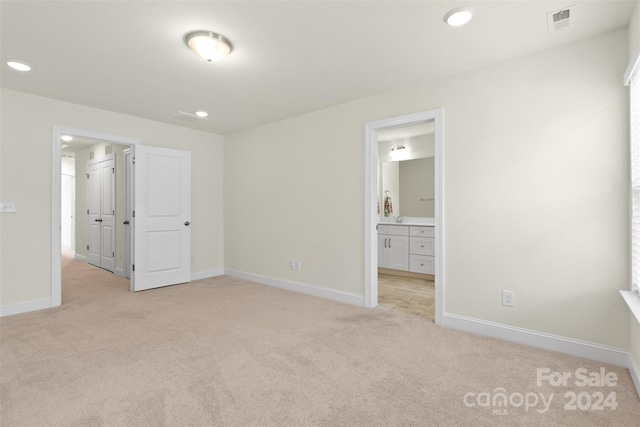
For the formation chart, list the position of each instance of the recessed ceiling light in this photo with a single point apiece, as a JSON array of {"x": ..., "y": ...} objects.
[
  {"x": 202, "y": 114},
  {"x": 208, "y": 45},
  {"x": 459, "y": 16},
  {"x": 20, "y": 66},
  {"x": 66, "y": 138}
]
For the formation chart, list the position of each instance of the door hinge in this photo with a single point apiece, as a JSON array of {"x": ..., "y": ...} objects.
[
  {"x": 87, "y": 211},
  {"x": 113, "y": 170},
  {"x": 87, "y": 247},
  {"x": 134, "y": 214},
  {"x": 113, "y": 255},
  {"x": 133, "y": 267},
  {"x": 113, "y": 212},
  {"x": 133, "y": 160},
  {"x": 87, "y": 176}
]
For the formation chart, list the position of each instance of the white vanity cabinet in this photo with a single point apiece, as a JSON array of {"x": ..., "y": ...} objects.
[
  {"x": 422, "y": 249},
  {"x": 393, "y": 247},
  {"x": 407, "y": 247}
]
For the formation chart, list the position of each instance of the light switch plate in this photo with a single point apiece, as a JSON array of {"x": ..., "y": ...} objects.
[{"x": 7, "y": 207}]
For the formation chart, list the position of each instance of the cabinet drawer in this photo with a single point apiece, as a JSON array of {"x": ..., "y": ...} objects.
[
  {"x": 422, "y": 231},
  {"x": 422, "y": 246},
  {"x": 394, "y": 230},
  {"x": 422, "y": 264}
]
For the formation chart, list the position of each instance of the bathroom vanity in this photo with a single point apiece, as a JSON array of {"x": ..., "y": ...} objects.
[{"x": 407, "y": 247}]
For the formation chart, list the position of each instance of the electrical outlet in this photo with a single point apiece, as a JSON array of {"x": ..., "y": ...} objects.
[
  {"x": 508, "y": 298},
  {"x": 294, "y": 265}
]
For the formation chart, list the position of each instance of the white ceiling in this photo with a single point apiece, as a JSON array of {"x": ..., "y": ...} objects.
[{"x": 289, "y": 57}]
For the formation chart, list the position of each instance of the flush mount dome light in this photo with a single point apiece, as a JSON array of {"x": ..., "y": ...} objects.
[
  {"x": 458, "y": 17},
  {"x": 208, "y": 45},
  {"x": 202, "y": 114},
  {"x": 18, "y": 65},
  {"x": 66, "y": 138}
]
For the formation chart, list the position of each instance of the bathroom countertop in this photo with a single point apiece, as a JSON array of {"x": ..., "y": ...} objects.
[{"x": 418, "y": 224}]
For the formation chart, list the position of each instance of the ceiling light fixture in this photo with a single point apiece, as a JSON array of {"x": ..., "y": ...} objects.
[
  {"x": 398, "y": 148},
  {"x": 202, "y": 114},
  {"x": 459, "y": 16},
  {"x": 18, "y": 65},
  {"x": 66, "y": 138},
  {"x": 208, "y": 45}
]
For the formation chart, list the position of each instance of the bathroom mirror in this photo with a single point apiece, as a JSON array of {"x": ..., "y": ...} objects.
[{"x": 406, "y": 172}]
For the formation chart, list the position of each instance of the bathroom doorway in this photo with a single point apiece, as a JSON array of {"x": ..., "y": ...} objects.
[{"x": 375, "y": 198}]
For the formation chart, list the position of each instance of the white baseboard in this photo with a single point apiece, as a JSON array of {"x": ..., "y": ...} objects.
[
  {"x": 332, "y": 294},
  {"x": 199, "y": 275},
  {"x": 24, "y": 307},
  {"x": 119, "y": 272},
  {"x": 634, "y": 370},
  {"x": 80, "y": 258},
  {"x": 584, "y": 349}
]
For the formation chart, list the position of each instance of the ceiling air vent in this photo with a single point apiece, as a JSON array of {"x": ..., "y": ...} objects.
[
  {"x": 183, "y": 117},
  {"x": 558, "y": 20}
]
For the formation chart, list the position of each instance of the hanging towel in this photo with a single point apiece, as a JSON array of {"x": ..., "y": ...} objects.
[{"x": 388, "y": 206}]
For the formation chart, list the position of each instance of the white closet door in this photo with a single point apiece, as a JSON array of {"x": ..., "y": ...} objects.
[
  {"x": 101, "y": 209},
  {"x": 93, "y": 214}
]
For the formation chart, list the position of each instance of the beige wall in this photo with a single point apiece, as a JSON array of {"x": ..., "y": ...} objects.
[
  {"x": 25, "y": 176},
  {"x": 535, "y": 191},
  {"x": 634, "y": 326}
]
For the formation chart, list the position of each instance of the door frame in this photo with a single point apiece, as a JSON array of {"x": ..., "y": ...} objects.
[
  {"x": 370, "y": 201},
  {"x": 56, "y": 190}
]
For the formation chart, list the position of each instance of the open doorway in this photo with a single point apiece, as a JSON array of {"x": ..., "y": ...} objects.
[
  {"x": 95, "y": 189},
  {"x": 406, "y": 212},
  {"x": 85, "y": 146},
  {"x": 401, "y": 227}
]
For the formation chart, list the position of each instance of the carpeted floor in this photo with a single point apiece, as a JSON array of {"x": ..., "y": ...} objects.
[{"x": 226, "y": 352}]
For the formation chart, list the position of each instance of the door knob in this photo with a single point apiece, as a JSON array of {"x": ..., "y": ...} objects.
[
  {"x": 126, "y": 222},
  {"x": 98, "y": 220},
  {"x": 187, "y": 223}
]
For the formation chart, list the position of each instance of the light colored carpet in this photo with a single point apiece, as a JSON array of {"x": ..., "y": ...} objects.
[{"x": 226, "y": 352}]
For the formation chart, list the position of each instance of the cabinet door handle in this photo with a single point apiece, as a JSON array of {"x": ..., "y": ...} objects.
[
  {"x": 389, "y": 242},
  {"x": 385, "y": 242}
]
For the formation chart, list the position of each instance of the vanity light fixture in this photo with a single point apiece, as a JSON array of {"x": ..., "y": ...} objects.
[
  {"x": 397, "y": 148},
  {"x": 458, "y": 17},
  {"x": 66, "y": 138},
  {"x": 208, "y": 45},
  {"x": 19, "y": 65}
]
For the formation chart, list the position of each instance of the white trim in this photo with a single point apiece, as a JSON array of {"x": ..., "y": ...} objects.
[
  {"x": 635, "y": 374},
  {"x": 56, "y": 173},
  {"x": 199, "y": 275},
  {"x": 633, "y": 301},
  {"x": 25, "y": 307},
  {"x": 80, "y": 258},
  {"x": 584, "y": 349},
  {"x": 316, "y": 291},
  {"x": 370, "y": 196},
  {"x": 632, "y": 68},
  {"x": 119, "y": 272}
]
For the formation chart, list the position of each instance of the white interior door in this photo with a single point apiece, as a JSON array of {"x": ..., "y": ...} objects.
[
  {"x": 93, "y": 214},
  {"x": 108, "y": 215},
  {"x": 162, "y": 233},
  {"x": 101, "y": 209}
]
